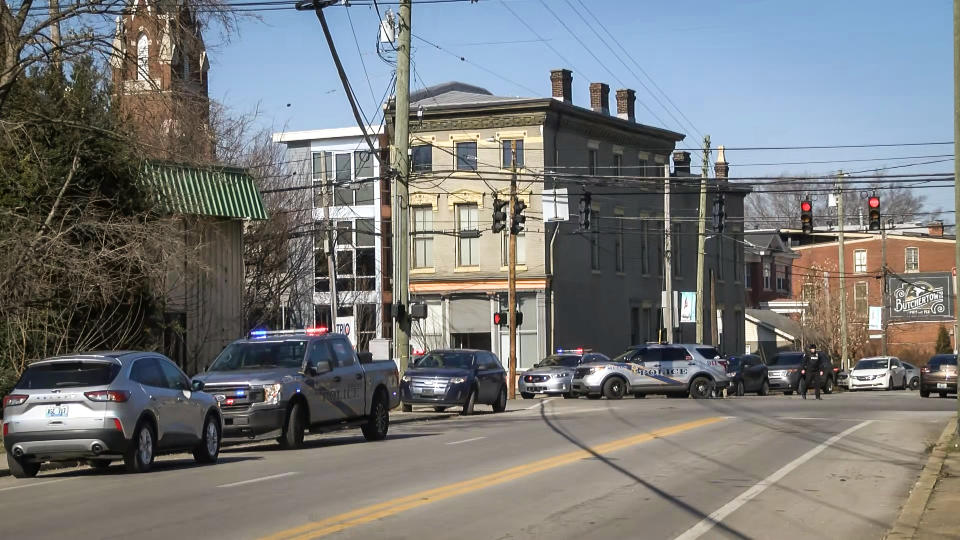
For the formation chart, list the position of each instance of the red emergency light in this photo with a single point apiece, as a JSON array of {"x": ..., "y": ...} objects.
[{"x": 316, "y": 330}]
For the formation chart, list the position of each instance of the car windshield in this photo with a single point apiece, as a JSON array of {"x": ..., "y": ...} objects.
[
  {"x": 68, "y": 375},
  {"x": 873, "y": 363},
  {"x": 446, "y": 359},
  {"x": 943, "y": 359},
  {"x": 260, "y": 355},
  {"x": 558, "y": 360},
  {"x": 786, "y": 359}
]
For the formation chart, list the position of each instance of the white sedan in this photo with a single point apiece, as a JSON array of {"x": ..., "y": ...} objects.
[{"x": 884, "y": 372}]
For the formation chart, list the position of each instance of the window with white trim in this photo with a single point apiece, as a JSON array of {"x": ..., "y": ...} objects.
[
  {"x": 860, "y": 298},
  {"x": 766, "y": 276},
  {"x": 143, "y": 58},
  {"x": 912, "y": 262},
  {"x": 505, "y": 248},
  {"x": 859, "y": 260},
  {"x": 467, "y": 246},
  {"x": 422, "y": 242}
]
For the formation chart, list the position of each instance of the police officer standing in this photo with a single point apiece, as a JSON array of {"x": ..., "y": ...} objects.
[{"x": 811, "y": 371}]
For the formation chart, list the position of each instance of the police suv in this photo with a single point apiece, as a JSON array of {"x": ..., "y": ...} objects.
[{"x": 672, "y": 369}]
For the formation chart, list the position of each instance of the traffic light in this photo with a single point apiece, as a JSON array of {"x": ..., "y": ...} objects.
[
  {"x": 806, "y": 216},
  {"x": 585, "y": 210},
  {"x": 719, "y": 212},
  {"x": 874, "y": 210},
  {"x": 499, "y": 215},
  {"x": 500, "y": 319},
  {"x": 516, "y": 226}
]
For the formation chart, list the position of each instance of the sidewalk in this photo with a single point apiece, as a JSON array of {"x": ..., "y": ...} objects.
[
  {"x": 396, "y": 417},
  {"x": 931, "y": 512}
]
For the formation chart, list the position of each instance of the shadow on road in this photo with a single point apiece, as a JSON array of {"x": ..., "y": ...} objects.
[
  {"x": 270, "y": 445},
  {"x": 162, "y": 465},
  {"x": 609, "y": 462}
]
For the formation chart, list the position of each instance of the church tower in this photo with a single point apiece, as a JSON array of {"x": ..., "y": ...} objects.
[{"x": 160, "y": 69}]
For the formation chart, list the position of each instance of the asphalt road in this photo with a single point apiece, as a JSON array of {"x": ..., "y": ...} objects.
[{"x": 770, "y": 467}]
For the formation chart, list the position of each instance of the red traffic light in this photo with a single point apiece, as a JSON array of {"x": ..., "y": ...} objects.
[
  {"x": 500, "y": 318},
  {"x": 805, "y": 206},
  {"x": 873, "y": 202}
]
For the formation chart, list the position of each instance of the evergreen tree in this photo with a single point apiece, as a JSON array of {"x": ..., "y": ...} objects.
[{"x": 943, "y": 341}]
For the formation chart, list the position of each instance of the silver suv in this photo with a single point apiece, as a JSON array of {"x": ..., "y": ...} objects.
[
  {"x": 672, "y": 369},
  {"x": 104, "y": 407}
]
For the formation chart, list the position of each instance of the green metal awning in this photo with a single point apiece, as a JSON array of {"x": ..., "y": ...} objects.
[{"x": 204, "y": 191}]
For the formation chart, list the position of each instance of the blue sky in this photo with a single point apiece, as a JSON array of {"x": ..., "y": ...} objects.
[{"x": 748, "y": 73}]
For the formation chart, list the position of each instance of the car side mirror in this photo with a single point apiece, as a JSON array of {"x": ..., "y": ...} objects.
[
  {"x": 197, "y": 385},
  {"x": 321, "y": 367}
]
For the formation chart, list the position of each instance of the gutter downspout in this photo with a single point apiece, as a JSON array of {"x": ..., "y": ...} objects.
[{"x": 553, "y": 306}]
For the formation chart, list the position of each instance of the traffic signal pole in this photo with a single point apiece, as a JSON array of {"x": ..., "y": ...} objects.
[
  {"x": 956, "y": 161},
  {"x": 401, "y": 167},
  {"x": 512, "y": 278}
]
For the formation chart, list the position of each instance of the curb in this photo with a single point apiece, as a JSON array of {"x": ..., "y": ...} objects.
[
  {"x": 905, "y": 528},
  {"x": 58, "y": 465}
]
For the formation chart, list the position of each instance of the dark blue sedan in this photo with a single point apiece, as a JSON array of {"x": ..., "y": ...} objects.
[{"x": 455, "y": 378}]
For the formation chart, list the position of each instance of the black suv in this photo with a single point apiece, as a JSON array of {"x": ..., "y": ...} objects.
[
  {"x": 783, "y": 370},
  {"x": 748, "y": 373}
]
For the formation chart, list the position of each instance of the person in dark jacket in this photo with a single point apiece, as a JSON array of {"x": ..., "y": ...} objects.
[{"x": 811, "y": 371}]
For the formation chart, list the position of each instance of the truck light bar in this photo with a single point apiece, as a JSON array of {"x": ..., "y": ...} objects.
[{"x": 263, "y": 334}]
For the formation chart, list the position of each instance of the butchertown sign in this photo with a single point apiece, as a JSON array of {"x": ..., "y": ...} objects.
[{"x": 927, "y": 296}]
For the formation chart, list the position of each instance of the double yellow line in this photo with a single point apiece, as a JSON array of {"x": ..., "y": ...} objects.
[{"x": 392, "y": 507}]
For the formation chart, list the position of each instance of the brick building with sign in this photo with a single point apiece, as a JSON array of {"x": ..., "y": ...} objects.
[{"x": 920, "y": 289}]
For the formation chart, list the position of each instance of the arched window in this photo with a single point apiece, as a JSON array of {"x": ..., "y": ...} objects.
[{"x": 143, "y": 58}]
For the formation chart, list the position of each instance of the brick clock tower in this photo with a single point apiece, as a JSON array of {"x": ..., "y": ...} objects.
[{"x": 159, "y": 70}]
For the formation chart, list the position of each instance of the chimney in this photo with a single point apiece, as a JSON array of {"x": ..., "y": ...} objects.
[
  {"x": 561, "y": 81},
  {"x": 720, "y": 168},
  {"x": 935, "y": 228},
  {"x": 681, "y": 162},
  {"x": 600, "y": 97},
  {"x": 626, "y": 104}
]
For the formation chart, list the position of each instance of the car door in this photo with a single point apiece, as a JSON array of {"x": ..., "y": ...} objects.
[
  {"x": 162, "y": 401},
  {"x": 675, "y": 366},
  {"x": 188, "y": 412},
  {"x": 488, "y": 377},
  {"x": 350, "y": 374},
  {"x": 900, "y": 377},
  {"x": 752, "y": 373},
  {"x": 320, "y": 388},
  {"x": 645, "y": 369}
]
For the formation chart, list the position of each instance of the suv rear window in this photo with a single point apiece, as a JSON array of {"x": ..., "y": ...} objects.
[
  {"x": 708, "y": 352},
  {"x": 943, "y": 359},
  {"x": 785, "y": 359},
  {"x": 68, "y": 375}
]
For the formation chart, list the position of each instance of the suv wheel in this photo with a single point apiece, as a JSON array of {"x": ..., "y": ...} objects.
[
  {"x": 375, "y": 429},
  {"x": 140, "y": 452},
  {"x": 914, "y": 383},
  {"x": 500, "y": 404},
  {"x": 22, "y": 469},
  {"x": 828, "y": 388},
  {"x": 614, "y": 388},
  {"x": 700, "y": 387},
  {"x": 765, "y": 389},
  {"x": 209, "y": 447},
  {"x": 527, "y": 395},
  {"x": 293, "y": 432},
  {"x": 740, "y": 391},
  {"x": 471, "y": 401}
]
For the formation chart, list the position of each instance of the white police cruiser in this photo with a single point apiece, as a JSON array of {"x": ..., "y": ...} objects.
[
  {"x": 672, "y": 369},
  {"x": 554, "y": 374}
]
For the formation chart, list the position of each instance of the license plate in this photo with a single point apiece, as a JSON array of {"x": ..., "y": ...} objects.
[
  {"x": 56, "y": 412},
  {"x": 241, "y": 421},
  {"x": 427, "y": 392},
  {"x": 941, "y": 385}
]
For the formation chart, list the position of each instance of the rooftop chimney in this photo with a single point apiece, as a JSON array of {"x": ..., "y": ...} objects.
[
  {"x": 561, "y": 81},
  {"x": 720, "y": 168},
  {"x": 681, "y": 162},
  {"x": 600, "y": 97},
  {"x": 935, "y": 228},
  {"x": 626, "y": 104}
]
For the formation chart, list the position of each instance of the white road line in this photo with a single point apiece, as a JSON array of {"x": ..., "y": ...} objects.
[
  {"x": 251, "y": 481},
  {"x": 466, "y": 440},
  {"x": 542, "y": 402},
  {"x": 708, "y": 522},
  {"x": 35, "y": 485}
]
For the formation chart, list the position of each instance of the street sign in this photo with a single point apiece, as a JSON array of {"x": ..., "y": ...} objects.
[{"x": 556, "y": 206}]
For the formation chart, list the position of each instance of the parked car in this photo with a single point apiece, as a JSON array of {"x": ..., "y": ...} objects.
[
  {"x": 939, "y": 375},
  {"x": 884, "y": 372},
  {"x": 281, "y": 383},
  {"x": 455, "y": 378},
  {"x": 748, "y": 373},
  {"x": 104, "y": 407},
  {"x": 913, "y": 375},
  {"x": 784, "y": 372},
  {"x": 554, "y": 374},
  {"x": 672, "y": 369},
  {"x": 843, "y": 379}
]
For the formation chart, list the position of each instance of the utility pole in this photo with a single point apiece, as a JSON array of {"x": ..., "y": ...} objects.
[
  {"x": 331, "y": 250},
  {"x": 843, "y": 281},
  {"x": 883, "y": 288},
  {"x": 401, "y": 166},
  {"x": 667, "y": 257},
  {"x": 956, "y": 159},
  {"x": 512, "y": 278},
  {"x": 702, "y": 238}
]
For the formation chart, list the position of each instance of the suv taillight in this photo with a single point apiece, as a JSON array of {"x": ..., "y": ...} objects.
[
  {"x": 14, "y": 399},
  {"x": 118, "y": 396}
]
